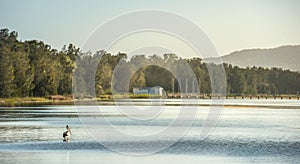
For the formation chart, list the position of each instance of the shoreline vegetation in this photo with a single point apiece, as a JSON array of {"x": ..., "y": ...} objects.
[
  {"x": 31, "y": 68},
  {"x": 109, "y": 99}
]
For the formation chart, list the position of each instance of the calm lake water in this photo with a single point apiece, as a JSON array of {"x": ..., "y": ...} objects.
[{"x": 268, "y": 133}]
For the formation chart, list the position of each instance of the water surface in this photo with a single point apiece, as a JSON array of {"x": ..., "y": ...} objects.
[{"x": 242, "y": 135}]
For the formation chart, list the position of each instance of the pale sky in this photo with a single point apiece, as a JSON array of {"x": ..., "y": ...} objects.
[{"x": 230, "y": 24}]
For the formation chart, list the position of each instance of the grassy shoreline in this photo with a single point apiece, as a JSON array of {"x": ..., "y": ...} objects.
[{"x": 108, "y": 100}]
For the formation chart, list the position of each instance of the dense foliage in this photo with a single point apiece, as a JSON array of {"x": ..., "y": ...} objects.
[{"x": 33, "y": 68}]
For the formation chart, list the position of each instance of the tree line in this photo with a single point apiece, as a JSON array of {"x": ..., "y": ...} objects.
[{"x": 34, "y": 69}]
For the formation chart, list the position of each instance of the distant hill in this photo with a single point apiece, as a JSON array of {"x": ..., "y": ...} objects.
[{"x": 286, "y": 57}]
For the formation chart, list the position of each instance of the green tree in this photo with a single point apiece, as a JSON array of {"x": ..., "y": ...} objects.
[
  {"x": 236, "y": 81},
  {"x": 7, "y": 86},
  {"x": 67, "y": 60}
]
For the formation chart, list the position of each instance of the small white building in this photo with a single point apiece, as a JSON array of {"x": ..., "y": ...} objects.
[
  {"x": 140, "y": 90},
  {"x": 157, "y": 90}
]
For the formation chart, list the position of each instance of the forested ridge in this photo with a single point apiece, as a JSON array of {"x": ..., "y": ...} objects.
[
  {"x": 286, "y": 57},
  {"x": 34, "y": 69}
]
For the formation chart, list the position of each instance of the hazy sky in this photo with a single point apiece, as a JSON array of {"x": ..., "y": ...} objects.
[{"x": 230, "y": 24}]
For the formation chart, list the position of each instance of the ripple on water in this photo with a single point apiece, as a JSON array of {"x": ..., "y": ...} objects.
[{"x": 189, "y": 147}]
